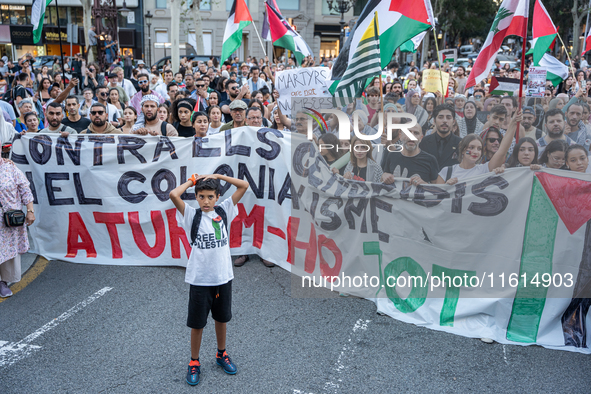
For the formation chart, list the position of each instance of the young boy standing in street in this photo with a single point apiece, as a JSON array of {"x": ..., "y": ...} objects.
[{"x": 209, "y": 269}]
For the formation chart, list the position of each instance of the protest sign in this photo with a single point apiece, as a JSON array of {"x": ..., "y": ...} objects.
[
  {"x": 518, "y": 239},
  {"x": 432, "y": 81},
  {"x": 536, "y": 82},
  {"x": 308, "y": 82}
]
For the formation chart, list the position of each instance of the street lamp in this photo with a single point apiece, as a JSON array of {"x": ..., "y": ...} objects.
[
  {"x": 124, "y": 11},
  {"x": 342, "y": 7},
  {"x": 148, "y": 20}
]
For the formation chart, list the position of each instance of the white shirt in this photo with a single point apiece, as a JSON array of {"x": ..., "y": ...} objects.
[
  {"x": 214, "y": 130},
  {"x": 128, "y": 87},
  {"x": 210, "y": 262},
  {"x": 161, "y": 89},
  {"x": 461, "y": 173}
]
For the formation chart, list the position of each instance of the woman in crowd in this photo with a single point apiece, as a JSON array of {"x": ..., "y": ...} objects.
[
  {"x": 214, "y": 98},
  {"x": 332, "y": 154},
  {"x": 361, "y": 166},
  {"x": 554, "y": 155},
  {"x": 387, "y": 88},
  {"x": 567, "y": 85},
  {"x": 411, "y": 104},
  {"x": 577, "y": 159},
  {"x": 452, "y": 87},
  {"x": 86, "y": 103},
  {"x": 129, "y": 117},
  {"x": 277, "y": 124},
  {"x": 43, "y": 89},
  {"x": 116, "y": 101},
  {"x": 182, "y": 115},
  {"x": 44, "y": 74},
  {"x": 25, "y": 105},
  {"x": 492, "y": 142},
  {"x": 525, "y": 153},
  {"x": 200, "y": 124},
  {"x": 470, "y": 153},
  {"x": 459, "y": 102},
  {"x": 163, "y": 112},
  {"x": 58, "y": 79},
  {"x": 469, "y": 123},
  {"x": 490, "y": 102},
  {"x": 215, "y": 117},
  {"x": 14, "y": 194},
  {"x": 32, "y": 122}
]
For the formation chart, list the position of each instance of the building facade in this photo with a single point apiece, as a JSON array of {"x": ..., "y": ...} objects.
[
  {"x": 16, "y": 30},
  {"x": 318, "y": 26}
]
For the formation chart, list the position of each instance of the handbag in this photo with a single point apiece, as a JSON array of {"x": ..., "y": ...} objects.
[{"x": 13, "y": 217}]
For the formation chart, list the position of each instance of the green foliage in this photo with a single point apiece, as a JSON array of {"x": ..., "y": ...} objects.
[
  {"x": 560, "y": 12},
  {"x": 465, "y": 19}
]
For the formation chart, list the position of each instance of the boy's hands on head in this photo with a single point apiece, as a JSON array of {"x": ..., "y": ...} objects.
[
  {"x": 210, "y": 176},
  {"x": 194, "y": 178}
]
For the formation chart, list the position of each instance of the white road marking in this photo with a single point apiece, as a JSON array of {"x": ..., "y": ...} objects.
[
  {"x": 505, "y": 355},
  {"x": 10, "y": 353}
]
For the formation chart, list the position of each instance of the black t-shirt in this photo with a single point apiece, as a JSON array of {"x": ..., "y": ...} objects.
[
  {"x": 21, "y": 91},
  {"x": 184, "y": 131},
  {"x": 79, "y": 126},
  {"x": 423, "y": 165},
  {"x": 14, "y": 69}
]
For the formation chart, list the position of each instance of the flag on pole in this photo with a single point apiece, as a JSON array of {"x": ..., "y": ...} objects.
[
  {"x": 37, "y": 17},
  {"x": 511, "y": 20},
  {"x": 587, "y": 43},
  {"x": 413, "y": 44},
  {"x": 399, "y": 20},
  {"x": 448, "y": 55},
  {"x": 556, "y": 70},
  {"x": 284, "y": 36},
  {"x": 239, "y": 18},
  {"x": 543, "y": 31},
  {"x": 500, "y": 86},
  {"x": 364, "y": 64}
]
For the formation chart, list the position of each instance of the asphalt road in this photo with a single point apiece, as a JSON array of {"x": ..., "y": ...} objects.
[{"x": 111, "y": 329}]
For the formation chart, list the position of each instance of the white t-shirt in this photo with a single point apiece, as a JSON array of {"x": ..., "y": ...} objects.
[
  {"x": 210, "y": 262},
  {"x": 461, "y": 173},
  {"x": 214, "y": 130}
]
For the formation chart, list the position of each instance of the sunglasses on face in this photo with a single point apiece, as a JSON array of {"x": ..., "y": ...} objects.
[
  {"x": 142, "y": 82},
  {"x": 200, "y": 86},
  {"x": 97, "y": 112},
  {"x": 234, "y": 88},
  {"x": 103, "y": 94},
  {"x": 493, "y": 140}
]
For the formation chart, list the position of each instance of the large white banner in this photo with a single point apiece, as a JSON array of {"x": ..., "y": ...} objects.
[{"x": 501, "y": 256}]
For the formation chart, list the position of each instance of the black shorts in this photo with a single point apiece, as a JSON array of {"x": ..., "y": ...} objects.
[{"x": 202, "y": 299}]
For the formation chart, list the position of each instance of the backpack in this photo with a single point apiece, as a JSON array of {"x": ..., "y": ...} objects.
[
  {"x": 197, "y": 221},
  {"x": 449, "y": 171}
]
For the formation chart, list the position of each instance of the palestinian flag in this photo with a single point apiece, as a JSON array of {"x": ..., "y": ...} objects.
[
  {"x": 556, "y": 71},
  {"x": 239, "y": 18},
  {"x": 448, "y": 55},
  {"x": 37, "y": 17},
  {"x": 364, "y": 64},
  {"x": 544, "y": 31},
  {"x": 413, "y": 44},
  {"x": 511, "y": 20},
  {"x": 500, "y": 86},
  {"x": 266, "y": 33},
  {"x": 283, "y": 35},
  {"x": 559, "y": 208},
  {"x": 399, "y": 21}
]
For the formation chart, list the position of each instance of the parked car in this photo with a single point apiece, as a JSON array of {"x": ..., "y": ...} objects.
[
  {"x": 160, "y": 63},
  {"x": 463, "y": 61},
  {"x": 41, "y": 61},
  {"x": 466, "y": 49}
]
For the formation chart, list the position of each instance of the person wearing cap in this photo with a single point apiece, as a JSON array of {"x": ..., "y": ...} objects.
[
  {"x": 528, "y": 122},
  {"x": 114, "y": 84},
  {"x": 238, "y": 113},
  {"x": 57, "y": 95},
  {"x": 141, "y": 67},
  {"x": 99, "y": 121},
  {"x": 150, "y": 124},
  {"x": 243, "y": 77}
]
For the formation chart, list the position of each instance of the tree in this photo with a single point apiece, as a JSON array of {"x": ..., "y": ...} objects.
[
  {"x": 195, "y": 4},
  {"x": 465, "y": 19},
  {"x": 87, "y": 21},
  {"x": 579, "y": 11}
]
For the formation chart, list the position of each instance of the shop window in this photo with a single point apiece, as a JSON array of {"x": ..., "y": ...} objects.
[
  {"x": 161, "y": 35},
  {"x": 230, "y": 2},
  {"x": 16, "y": 14},
  {"x": 160, "y": 3},
  {"x": 288, "y": 4}
]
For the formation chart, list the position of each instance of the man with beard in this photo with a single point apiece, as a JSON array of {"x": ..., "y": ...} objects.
[
  {"x": 554, "y": 124},
  {"x": 442, "y": 143},
  {"x": 461, "y": 79},
  {"x": 234, "y": 93},
  {"x": 113, "y": 116},
  {"x": 243, "y": 75},
  {"x": 136, "y": 100},
  {"x": 529, "y": 118},
  {"x": 190, "y": 84},
  {"x": 575, "y": 128},
  {"x": 411, "y": 162},
  {"x": 237, "y": 111},
  {"x": 54, "y": 115},
  {"x": 162, "y": 87},
  {"x": 151, "y": 124},
  {"x": 100, "y": 125}
]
